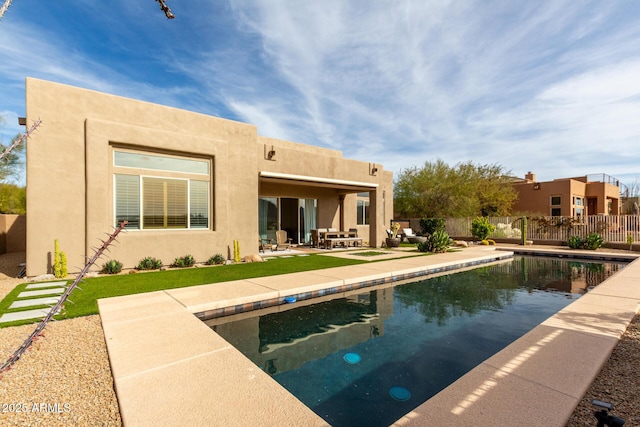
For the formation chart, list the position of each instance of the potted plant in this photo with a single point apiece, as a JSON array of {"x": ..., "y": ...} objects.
[{"x": 393, "y": 241}]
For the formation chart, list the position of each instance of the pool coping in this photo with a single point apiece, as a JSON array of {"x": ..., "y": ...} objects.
[{"x": 170, "y": 368}]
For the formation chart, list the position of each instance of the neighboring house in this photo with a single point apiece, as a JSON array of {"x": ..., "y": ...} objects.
[
  {"x": 186, "y": 182},
  {"x": 575, "y": 197}
]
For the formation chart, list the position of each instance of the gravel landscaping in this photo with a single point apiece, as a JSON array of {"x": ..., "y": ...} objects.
[{"x": 65, "y": 379}]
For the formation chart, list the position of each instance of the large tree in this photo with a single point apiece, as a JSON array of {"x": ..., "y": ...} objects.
[
  {"x": 11, "y": 164},
  {"x": 12, "y": 197},
  {"x": 438, "y": 190},
  {"x": 10, "y": 160}
]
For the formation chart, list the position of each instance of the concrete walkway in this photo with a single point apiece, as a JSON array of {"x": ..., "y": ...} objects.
[{"x": 169, "y": 368}]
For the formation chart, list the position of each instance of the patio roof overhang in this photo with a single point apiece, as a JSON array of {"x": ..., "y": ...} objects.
[{"x": 314, "y": 181}]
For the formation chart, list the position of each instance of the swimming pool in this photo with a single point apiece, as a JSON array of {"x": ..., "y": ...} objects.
[{"x": 372, "y": 357}]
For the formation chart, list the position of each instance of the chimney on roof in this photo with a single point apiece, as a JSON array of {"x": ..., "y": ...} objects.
[{"x": 530, "y": 176}]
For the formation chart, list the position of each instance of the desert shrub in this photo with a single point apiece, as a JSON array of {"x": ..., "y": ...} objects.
[
  {"x": 431, "y": 225},
  {"x": 593, "y": 241},
  {"x": 112, "y": 266},
  {"x": 439, "y": 241},
  {"x": 185, "y": 261},
  {"x": 481, "y": 228},
  {"x": 507, "y": 230},
  {"x": 575, "y": 242},
  {"x": 216, "y": 259},
  {"x": 149, "y": 263}
]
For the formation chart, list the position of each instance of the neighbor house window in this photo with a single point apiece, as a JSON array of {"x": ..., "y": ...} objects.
[
  {"x": 362, "y": 208},
  {"x": 578, "y": 206},
  {"x": 153, "y": 191},
  {"x": 556, "y": 201}
]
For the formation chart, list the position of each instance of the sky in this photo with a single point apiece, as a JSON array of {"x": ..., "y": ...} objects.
[{"x": 548, "y": 86}]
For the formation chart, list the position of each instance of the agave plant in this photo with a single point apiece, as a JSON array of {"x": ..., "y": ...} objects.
[{"x": 439, "y": 241}]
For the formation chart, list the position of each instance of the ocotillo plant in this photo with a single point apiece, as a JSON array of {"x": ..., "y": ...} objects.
[
  {"x": 165, "y": 9},
  {"x": 54, "y": 310},
  {"x": 4, "y": 7},
  {"x": 22, "y": 138}
]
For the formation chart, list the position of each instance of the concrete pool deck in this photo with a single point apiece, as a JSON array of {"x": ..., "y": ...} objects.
[{"x": 169, "y": 368}]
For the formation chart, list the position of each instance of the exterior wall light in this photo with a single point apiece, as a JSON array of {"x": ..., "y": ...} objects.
[{"x": 269, "y": 154}]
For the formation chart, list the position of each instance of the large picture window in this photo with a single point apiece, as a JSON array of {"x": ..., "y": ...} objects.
[{"x": 161, "y": 192}]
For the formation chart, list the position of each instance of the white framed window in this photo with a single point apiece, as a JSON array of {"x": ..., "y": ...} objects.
[
  {"x": 153, "y": 191},
  {"x": 578, "y": 206},
  {"x": 362, "y": 208}
]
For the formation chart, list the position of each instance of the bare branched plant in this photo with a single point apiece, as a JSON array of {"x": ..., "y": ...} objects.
[
  {"x": 165, "y": 9},
  {"x": 4, "y": 7},
  {"x": 20, "y": 139},
  {"x": 60, "y": 304}
]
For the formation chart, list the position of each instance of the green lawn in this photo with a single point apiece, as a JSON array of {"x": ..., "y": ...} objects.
[{"x": 84, "y": 300}]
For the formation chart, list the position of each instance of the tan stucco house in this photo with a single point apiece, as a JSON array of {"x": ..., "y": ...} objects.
[
  {"x": 569, "y": 197},
  {"x": 187, "y": 183}
]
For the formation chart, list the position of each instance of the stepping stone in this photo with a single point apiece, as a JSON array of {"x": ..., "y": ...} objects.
[
  {"x": 22, "y": 315},
  {"x": 34, "y": 302},
  {"x": 304, "y": 255},
  {"x": 45, "y": 285},
  {"x": 53, "y": 291}
]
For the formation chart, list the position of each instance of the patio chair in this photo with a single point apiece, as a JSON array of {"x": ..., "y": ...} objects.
[
  {"x": 282, "y": 242},
  {"x": 320, "y": 242},
  {"x": 265, "y": 244},
  {"x": 408, "y": 232}
]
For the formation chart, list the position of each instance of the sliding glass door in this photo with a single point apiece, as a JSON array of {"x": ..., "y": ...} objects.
[
  {"x": 296, "y": 216},
  {"x": 268, "y": 217}
]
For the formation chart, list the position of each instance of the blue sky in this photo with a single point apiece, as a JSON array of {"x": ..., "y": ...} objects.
[{"x": 547, "y": 86}]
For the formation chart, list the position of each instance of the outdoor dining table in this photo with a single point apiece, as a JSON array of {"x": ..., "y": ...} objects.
[
  {"x": 328, "y": 235},
  {"x": 337, "y": 234}
]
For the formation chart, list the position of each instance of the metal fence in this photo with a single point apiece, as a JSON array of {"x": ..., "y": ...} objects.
[{"x": 613, "y": 228}]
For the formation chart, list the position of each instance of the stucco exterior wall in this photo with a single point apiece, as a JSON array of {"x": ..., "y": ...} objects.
[
  {"x": 536, "y": 197},
  {"x": 70, "y": 189},
  {"x": 13, "y": 233}
]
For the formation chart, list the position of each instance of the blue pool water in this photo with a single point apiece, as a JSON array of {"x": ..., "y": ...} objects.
[{"x": 368, "y": 359}]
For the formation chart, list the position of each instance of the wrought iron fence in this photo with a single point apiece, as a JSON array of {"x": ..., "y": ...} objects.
[{"x": 613, "y": 228}]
